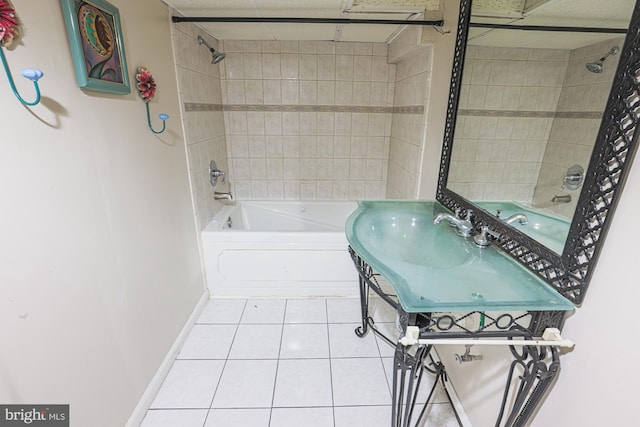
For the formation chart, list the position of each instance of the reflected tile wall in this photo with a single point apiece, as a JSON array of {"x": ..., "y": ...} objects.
[
  {"x": 198, "y": 82},
  {"x": 575, "y": 129},
  {"x": 307, "y": 119},
  {"x": 507, "y": 107}
]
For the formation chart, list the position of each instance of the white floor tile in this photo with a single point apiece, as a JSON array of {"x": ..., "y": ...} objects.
[
  {"x": 381, "y": 311},
  {"x": 222, "y": 311},
  {"x": 237, "y": 418},
  {"x": 345, "y": 343},
  {"x": 300, "y": 341},
  {"x": 440, "y": 415},
  {"x": 306, "y": 311},
  {"x": 365, "y": 416},
  {"x": 303, "y": 383},
  {"x": 208, "y": 342},
  {"x": 299, "y": 417},
  {"x": 359, "y": 381},
  {"x": 286, "y": 363},
  {"x": 390, "y": 330},
  {"x": 246, "y": 384},
  {"x": 174, "y": 417},
  {"x": 189, "y": 384},
  {"x": 343, "y": 310},
  {"x": 264, "y": 311},
  {"x": 256, "y": 342}
]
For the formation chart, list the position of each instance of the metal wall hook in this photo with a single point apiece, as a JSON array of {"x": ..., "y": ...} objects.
[
  {"x": 32, "y": 74},
  {"x": 163, "y": 117}
]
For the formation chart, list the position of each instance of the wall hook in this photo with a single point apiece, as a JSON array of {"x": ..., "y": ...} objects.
[
  {"x": 32, "y": 74},
  {"x": 147, "y": 90},
  {"x": 163, "y": 117},
  {"x": 9, "y": 30}
]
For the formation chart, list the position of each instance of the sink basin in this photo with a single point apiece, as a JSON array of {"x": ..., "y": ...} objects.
[
  {"x": 432, "y": 269},
  {"x": 547, "y": 229},
  {"x": 411, "y": 237}
]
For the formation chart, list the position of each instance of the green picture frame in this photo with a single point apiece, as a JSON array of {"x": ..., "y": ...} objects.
[{"x": 97, "y": 49}]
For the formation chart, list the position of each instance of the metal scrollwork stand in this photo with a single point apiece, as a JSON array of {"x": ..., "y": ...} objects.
[{"x": 536, "y": 366}]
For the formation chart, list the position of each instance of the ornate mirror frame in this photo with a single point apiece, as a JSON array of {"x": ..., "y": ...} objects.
[{"x": 609, "y": 166}]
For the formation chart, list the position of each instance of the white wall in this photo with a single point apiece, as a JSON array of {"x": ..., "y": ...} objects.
[
  {"x": 597, "y": 380},
  {"x": 100, "y": 265}
]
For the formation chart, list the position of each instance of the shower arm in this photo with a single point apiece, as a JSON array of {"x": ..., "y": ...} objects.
[{"x": 204, "y": 42}]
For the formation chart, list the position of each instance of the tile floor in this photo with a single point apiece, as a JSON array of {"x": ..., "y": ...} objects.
[{"x": 283, "y": 363}]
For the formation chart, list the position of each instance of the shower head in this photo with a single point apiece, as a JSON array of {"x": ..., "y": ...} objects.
[
  {"x": 215, "y": 55},
  {"x": 598, "y": 66}
]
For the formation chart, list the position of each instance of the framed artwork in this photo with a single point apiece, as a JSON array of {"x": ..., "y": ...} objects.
[{"x": 95, "y": 38}]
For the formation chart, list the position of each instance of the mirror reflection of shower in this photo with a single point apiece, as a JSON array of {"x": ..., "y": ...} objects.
[
  {"x": 598, "y": 66},
  {"x": 215, "y": 55}
]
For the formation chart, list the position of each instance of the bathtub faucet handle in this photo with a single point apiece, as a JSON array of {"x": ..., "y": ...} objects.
[{"x": 215, "y": 173}]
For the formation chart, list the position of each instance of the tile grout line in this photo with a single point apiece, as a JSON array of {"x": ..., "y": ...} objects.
[
  {"x": 275, "y": 381},
  {"x": 225, "y": 364},
  {"x": 333, "y": 400}
]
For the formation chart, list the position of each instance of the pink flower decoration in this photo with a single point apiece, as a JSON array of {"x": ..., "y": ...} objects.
[
  {"x": 8, "y": 23},
  {"x": 146, "y": 85}
]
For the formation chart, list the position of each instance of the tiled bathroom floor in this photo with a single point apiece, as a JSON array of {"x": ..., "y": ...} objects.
[{"x": 283, "y": 363}]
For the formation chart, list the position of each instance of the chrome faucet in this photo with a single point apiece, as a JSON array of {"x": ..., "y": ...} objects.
[
  {"x": 464, "y": 227},
  {"x": 520, "y": 217},
  {"x": 218, "y": 195},
  {"x": 566, "y": 198}
]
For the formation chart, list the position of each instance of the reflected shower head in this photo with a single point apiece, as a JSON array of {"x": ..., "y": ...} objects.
[
  {"x": 598, "y": 67},
  {"x": 215, "y": 55}
]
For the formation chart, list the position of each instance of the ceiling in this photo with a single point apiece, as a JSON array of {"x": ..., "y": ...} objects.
[
  {"x": 562, "y": 13},
  {"x": 580, "y": 13}
]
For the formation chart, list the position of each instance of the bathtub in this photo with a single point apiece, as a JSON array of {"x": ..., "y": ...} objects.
[{"x": 279, "y": 249}]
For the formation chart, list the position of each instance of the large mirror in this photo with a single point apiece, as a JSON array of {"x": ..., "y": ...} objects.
[{"x": 541, "y": 122}]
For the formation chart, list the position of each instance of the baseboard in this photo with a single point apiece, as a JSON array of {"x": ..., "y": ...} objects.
[
  {"x": 455, "y": 400},
  {"x": 156, "y": 382}
]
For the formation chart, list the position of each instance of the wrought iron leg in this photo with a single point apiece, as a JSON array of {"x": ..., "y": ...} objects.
[
  {"x": 361, "y": 331},
  {"x": 536, "y": 379},
  {"x": 409, "y": 370}
]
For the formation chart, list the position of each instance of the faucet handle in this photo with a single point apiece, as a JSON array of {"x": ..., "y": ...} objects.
[
  {"x": 215, "y": 173},
  {"x": 469, "y": 215},
  {"x": 486, "y": 235}
]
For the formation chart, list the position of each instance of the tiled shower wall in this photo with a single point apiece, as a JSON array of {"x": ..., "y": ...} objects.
[
  {"x": 199, "y": 85},
  {"x": 307, "y": 119},
  {"x": 413, "y": 71},
  {"x": 507, "y": 105},
  {"x": 575, "y": 128}
]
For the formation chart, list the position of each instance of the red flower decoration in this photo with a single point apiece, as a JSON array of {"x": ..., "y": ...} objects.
[
  {"x": 146, "y": 85},
  {"x": 8, "y": 23}
]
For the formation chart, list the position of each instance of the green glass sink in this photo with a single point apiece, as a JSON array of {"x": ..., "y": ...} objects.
[
  {"x": 432, "y": 269},
  {"x": 410, "y": 236}
]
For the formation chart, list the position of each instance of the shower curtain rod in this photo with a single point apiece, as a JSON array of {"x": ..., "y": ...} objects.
[
  {"x": 438, "y": 23},
  {"x": 549, "y": 28}
]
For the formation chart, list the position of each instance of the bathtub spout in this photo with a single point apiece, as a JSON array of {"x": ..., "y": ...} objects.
[{"x": 218, "y": 195}]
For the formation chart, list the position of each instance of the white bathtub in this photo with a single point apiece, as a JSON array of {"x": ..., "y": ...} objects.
[{"x": 280, "y": 249}]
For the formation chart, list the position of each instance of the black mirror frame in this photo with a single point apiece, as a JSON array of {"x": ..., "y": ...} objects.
[{"x": 608, "y": 168}]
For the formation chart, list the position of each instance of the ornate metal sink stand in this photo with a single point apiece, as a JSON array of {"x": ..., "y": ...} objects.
[{"x": 539, "y": 364}]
